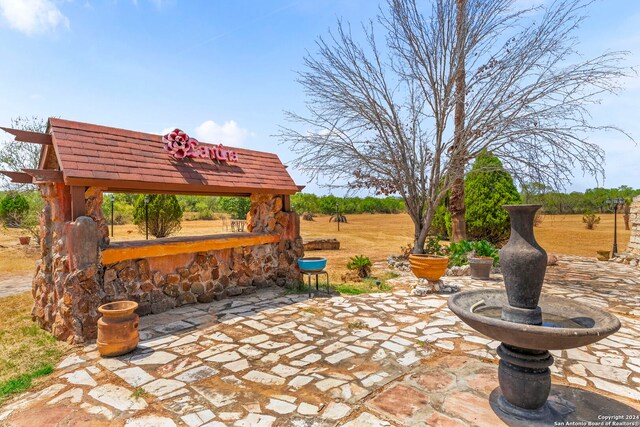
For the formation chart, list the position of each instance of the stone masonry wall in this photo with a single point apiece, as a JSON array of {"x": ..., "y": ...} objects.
[
  {"x": 634, "y": 221},
  {"x": 632, "y": 254},
  {"x": 207, "y": 276},
  {"x": 71, "y": 283}
]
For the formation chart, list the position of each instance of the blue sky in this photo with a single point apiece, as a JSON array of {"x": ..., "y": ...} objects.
[{"x": 225, "y": 70}]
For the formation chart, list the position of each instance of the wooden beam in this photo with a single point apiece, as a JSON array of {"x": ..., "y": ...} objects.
[
  {"x": 77, "y": 202},
  {"x": 41, "y": 176},
  {"x": 18, "y": 177},
  {"x": 286, "y": 203},
  {"x": 28, "y": 136}
]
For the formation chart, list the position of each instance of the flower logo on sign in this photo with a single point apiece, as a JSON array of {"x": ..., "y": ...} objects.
[{"x": 180, "y": 146}]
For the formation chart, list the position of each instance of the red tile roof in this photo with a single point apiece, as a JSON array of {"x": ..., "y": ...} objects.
[{"x": 124, "y": 160}]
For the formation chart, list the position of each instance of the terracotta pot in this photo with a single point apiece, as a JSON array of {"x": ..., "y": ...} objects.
[
  {"x": 603, "y": 255},
  {"x": 117, "y": 328},
  {"x": 430, "y": 267},
  {"x": 24, "y": 240},
  {"x": 480, "y": 267}
]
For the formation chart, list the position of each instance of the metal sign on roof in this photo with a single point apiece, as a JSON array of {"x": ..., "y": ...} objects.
[{"x": 181, "y": 145}]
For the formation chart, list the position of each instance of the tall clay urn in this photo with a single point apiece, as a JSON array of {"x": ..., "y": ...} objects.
[
  {"x": 524, "y": 264},
  {"x": 117, "y": 328}
]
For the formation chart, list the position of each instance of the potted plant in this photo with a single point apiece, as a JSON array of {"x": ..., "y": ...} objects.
[
  {"x": 482, "y": 257},
  {"x": 432, "y": 264}
]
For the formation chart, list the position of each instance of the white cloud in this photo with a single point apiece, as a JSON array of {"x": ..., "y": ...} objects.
[
  {"x": 227, "y": 134},
  {"x": 33, "y": 16}
]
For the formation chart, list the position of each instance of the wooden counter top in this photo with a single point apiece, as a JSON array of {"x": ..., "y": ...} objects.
[{"x": 120, "y": 251}]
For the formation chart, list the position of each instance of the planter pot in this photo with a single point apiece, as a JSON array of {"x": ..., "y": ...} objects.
[
  {"x": 24, "y": 240},
  {"x": 480, "y": 267},
  {"x": 117, "y": 328},
  {"x": 603, "y": 255},
  {"x": 312, "y": 264},
  {"x": 430, "y": 267}
]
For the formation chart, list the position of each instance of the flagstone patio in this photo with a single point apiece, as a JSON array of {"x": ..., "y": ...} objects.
[{"x": 373, "y": 360}]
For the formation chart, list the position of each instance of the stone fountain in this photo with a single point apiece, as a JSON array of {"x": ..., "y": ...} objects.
[{"x": 527, "y": 325}]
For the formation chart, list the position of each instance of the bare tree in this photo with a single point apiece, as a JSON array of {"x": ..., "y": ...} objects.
[
  {"x": 15, "y": 156},
  {"x": 456, "y": 198},
  {"x": 382, "y": 118}
]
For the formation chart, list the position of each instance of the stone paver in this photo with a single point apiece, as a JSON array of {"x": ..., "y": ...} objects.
[{"x": 270, "y": 359}]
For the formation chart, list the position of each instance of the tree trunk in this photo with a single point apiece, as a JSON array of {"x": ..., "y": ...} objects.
[{"x": 458, "y": 154}]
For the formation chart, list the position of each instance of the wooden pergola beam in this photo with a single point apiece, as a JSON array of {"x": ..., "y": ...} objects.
[
  {"x": 18, "y": 177},
  {"x": 44, "y": 175},
  {"x": 28, "y": 136}
]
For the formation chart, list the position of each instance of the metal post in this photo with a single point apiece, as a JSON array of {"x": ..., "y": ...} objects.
[
  {"x": 113, "y": 198},
  {"x": 615, "y": 228},
  {"x": 146, "y": 216}
]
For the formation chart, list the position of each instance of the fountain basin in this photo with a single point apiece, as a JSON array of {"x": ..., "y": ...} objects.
[{"x": 570, "y": 324}]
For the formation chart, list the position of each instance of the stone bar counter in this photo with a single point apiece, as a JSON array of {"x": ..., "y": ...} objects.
[
  {"x": 80, "y": 269},
  {"x": 164, "y": 273}
]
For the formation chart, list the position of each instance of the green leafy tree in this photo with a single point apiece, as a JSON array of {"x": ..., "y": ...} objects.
[
  {"x": 487, "y": 187},
  {"x": 237, "y": 207},
  {"x": 165, "y": 214}
]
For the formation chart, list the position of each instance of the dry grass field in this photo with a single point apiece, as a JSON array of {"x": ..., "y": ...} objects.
[
  {"x": 376, "y": 236},
  {"x": 27, "y": 352}
]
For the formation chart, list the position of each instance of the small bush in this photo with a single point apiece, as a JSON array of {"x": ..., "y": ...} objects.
[
  {"x": 433, "y": 247},
  {"x": 13, "y": 209},
  {"x": 122, "y": 209},
  {"x": 308, "y": 216},
  {"x": 590, "y": 220},
  {"x": 406, "y": 250},
  {"x": 165, "y": 215},
  {"x": 459, "y": 253},
  {"x": 361, "y": 264}
]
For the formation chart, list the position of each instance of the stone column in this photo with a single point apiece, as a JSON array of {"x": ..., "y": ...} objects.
[
  {"x": 66, "y": 287},
  {"x": 634, "y": 221},
  {"x": 267, "y": 216}
]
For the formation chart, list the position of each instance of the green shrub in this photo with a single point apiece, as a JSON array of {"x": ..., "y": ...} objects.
[
  {"x": 237, "y": 207},
  {"x": 14, "y": 207},
  {"x": 362, "y": 264},
  {"x": 433, "y": 247},
  {"x": 165, "y": 214},
  {"x": 487, "y": 187},
  {"x": 122, "y": 211},
  {"x": 459, "y": 253}
]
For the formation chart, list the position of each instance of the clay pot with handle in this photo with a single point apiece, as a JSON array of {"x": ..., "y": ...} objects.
[{"x": 117, "y": 328}]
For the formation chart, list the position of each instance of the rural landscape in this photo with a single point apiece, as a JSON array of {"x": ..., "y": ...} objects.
[{"x": 356, "y": 213}]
